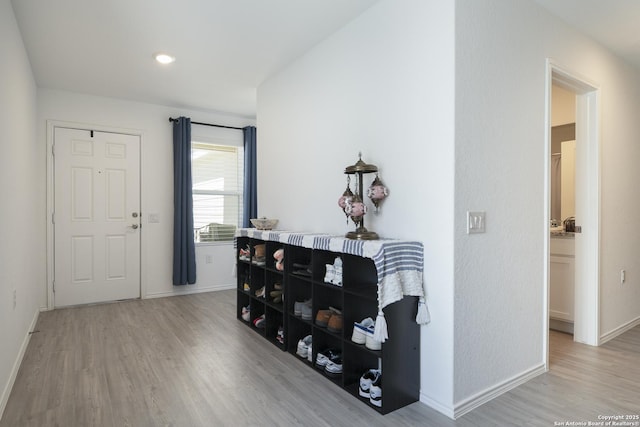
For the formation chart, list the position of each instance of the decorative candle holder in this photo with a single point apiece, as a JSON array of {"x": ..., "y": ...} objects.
[{"x": 354, "y": 206}]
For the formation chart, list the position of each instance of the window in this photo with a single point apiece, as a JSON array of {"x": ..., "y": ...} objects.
[{"x": 217, "y": 173}]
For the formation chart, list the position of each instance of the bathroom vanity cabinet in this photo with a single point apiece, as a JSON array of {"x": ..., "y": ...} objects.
[{"x": 562, "y": 282}]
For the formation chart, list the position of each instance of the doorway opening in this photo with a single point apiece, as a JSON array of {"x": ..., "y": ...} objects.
[{"x": 579, "y": 248}]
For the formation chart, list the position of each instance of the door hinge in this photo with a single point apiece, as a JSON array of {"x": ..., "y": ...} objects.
[
  {"x": 54, "y": 286},
  {"x": 53, "y": 149}
]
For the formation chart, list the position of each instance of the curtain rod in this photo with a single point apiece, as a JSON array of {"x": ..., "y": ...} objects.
[{"x": 171, "y": 119}]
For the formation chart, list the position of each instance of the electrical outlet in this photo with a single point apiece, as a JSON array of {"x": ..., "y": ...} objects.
[{"x": 475, "y": 222}]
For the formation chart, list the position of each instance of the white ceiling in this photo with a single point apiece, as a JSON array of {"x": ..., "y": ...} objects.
[
  {"x": 613, "y": 23},
  {"x": 224, "y": 48}
]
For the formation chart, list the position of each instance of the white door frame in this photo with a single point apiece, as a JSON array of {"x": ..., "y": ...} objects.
[
  {"x": 51, "y": 125},
  {"x": 587, "y": 289}
]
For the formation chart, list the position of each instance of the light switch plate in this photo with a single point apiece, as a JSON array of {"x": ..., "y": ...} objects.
[
  {"x": 475, "y": 222},
  {"x": 154, "y": 218}
]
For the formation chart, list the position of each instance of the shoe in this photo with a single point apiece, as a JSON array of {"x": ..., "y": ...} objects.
[
  {"x": 274, "y": 294},
  {"x": 278, "y": 256},
  {"x": 303, "y": 347},
  {"x": 302, "y": 269},
  {"x": 260, "y": 292},
  {"x": 306, "y": 311},
  {"x": 278, "y": 299},
  {"x": 310, "y": 353},
  {"x": 335, "y": 323},
  {"x": 322, "y": 318},
  {"x": 337, "y": 266},
  {"x": 321, "y": 360},
  {"x": 370, "y": 342},
  {"x": 334, "y": 366},
  {"x": 375, "y": 392},
  {"x": 280, "y": 336},
  {"x": 299, "y": 305},
  {"x": 297, "y": 308},
  {"x": 258, "y": 251},
  {"x": 246, "y": 287},
  {"x": 245, "y": 254},
  {"x": 258, "y": 322},
  {"x": 330, "y": 274},
  {"x": 359, "y": 335},
  {"x": 277, "y": 286},
  {"x": 326, "y": 356},
  {"x": 366, "y": 380},
  {"x": 246, "y": 313}
]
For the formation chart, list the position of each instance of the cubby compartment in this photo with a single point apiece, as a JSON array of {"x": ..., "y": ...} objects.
[
  {"x": 243, "y": 301},
  {"x": 257, "y": 310},
  {"x": 357, "y": 362},
  {"x": 359, "y": 309},
  {"x": 319, "y": 266},
  {"x": 298, "y": 261},
  {"x": 243, "y": 275},
  {"x": 274, "y": 324},
  {"x": 296, "y": 330},
  {"x": 258, "y": 253},
  {"x": 301, "y": 279},
  {"x": 327, "y": 297},
  {"x": 325, "y": 343},
  {"x": 256, "y": 281},
  {"x": 360, "y": 276},
  {"x": 271, "y": 262},
  {"x": 298, "y": 290},
  {"x": 274, "y": 289}
]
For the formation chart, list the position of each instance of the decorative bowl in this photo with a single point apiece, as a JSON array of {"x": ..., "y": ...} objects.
[{"x": 264, "y": 223}]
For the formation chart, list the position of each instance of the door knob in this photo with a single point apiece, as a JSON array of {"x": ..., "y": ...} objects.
[{"x": 134, "y": 226}]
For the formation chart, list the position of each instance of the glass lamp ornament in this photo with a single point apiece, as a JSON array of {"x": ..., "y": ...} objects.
[
  {"x": 377, "y": 192},
  {"x": 356, "y": 209},
  {"x": 346, "y": 198}
]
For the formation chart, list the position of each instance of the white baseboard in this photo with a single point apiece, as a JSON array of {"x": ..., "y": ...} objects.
[
  {"x": 619, "y": 330},
  {"x": 16, "y": 365},
  {"x": 189, "y": 290},
  {"x": 491, "y": 393},
  {"x": 445, "y": 410}
]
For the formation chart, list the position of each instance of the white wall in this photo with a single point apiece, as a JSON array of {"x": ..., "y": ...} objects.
[
  {"x": 382, "y": 85},
  {"x": 22, "y": 227},
  {"x": 157, "y": 180},
  {"x": 501, "y": 48}
]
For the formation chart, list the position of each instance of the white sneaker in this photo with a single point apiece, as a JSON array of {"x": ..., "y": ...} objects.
[
  {"x": 246, "y": 313},
  {"x": 360, "y": 330},
  {"x": 303, "y": 347},
  {"x": 366, "y": 380},
  {"x": 375, "y": 392},
  {"x": 310, "y": 353},
  {"x": 330, "y": 274},
  {"x": 370, "y": 342},
  {"x": 333, "y": 368}
]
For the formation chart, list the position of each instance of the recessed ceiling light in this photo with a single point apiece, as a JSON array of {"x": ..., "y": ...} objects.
[{"x": 164, "y": 58}]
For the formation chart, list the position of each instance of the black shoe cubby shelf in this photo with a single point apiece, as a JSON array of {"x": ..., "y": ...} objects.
[{"x": 302, "y": 279}]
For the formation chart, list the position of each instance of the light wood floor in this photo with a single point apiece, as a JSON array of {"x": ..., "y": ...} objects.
[{"x": 186, "y": 361}]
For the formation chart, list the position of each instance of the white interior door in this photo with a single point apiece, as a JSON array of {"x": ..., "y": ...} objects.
[{"x": 96, "y": 216}]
